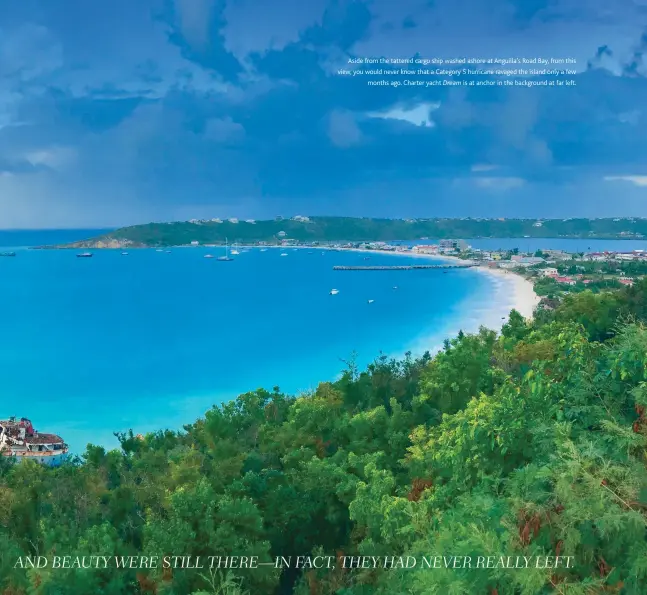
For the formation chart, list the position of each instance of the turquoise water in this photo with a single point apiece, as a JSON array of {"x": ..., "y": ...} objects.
[{"x": 153, "y": 339}]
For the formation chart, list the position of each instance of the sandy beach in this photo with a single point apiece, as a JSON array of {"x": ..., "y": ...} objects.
[
  {"x": 518, "y": 292},
  {"x": 525, "y": 299}
]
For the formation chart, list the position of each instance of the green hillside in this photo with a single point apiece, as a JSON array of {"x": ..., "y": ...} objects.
[
  {"x": 528, "y": 444},
  {"x": 337, "y": 229}
]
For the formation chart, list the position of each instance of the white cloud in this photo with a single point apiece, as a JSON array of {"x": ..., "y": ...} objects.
[
  {"x": 194, "y": 20},
  {"x": 343, "y": 130},
  {"x": 635, "y": 180},
  {"x": 418, "y": 116},
  {"x": 29, "y": 51},
  {"x": 224, "y": 130},
  {"x": 273, "y": 26},
  {"x": 499, "y": 183},
  {"x": 54, "y": 158}
]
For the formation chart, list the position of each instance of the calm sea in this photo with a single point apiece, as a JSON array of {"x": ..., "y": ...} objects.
[{"x": 153, "y": 339}]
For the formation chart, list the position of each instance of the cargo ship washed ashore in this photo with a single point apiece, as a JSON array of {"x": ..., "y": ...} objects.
[{"x": 19, "y": 439}]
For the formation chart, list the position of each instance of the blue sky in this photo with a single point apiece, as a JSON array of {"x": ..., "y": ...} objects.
[{"x": 128, "y": 111}]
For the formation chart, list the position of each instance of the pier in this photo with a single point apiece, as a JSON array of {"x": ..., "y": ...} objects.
[{"x": 403, "y": 267}]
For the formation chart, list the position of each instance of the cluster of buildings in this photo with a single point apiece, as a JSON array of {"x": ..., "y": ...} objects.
[
  {"x": 216, "y": 220},
  {"x": 553, "y": 273},
  {"x": 443, "y": 247},
  {"x": 639, "y": 255},
  {"x": 299, "y": 218}
]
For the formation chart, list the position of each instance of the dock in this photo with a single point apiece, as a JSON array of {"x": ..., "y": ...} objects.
[{"x": 403, "y": 267}]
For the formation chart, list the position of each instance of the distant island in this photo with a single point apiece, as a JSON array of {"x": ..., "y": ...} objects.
[{"x": 302, "y": 229}]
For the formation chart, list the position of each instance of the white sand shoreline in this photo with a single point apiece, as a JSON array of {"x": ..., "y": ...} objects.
[
  {"x": 510, "y": 291},
  {"x": 519, "y": 291},
  {"x": 524, "y": 298}
]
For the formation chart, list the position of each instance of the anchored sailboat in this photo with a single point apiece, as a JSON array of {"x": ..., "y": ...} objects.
[{"x": 226, "y": 256}]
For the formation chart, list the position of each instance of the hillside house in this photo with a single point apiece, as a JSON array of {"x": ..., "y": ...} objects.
[{"x": 549, "y": 272}]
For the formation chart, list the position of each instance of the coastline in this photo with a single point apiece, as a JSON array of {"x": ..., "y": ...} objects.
[
  {"x": 509, "y": 291},
  {"x": 524, "y": 298},
  {"x": 480, "y": 304}
]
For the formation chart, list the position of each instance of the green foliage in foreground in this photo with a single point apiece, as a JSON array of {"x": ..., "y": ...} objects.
[
  {"x": 355, "y": 229},
  {"x": 525, "y": 443}
]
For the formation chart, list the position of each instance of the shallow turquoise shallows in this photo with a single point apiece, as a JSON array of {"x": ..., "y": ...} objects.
[{"x": 153, "y": 339}]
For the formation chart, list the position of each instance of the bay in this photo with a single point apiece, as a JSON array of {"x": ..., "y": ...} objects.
[{"x": 153, "y": 339}]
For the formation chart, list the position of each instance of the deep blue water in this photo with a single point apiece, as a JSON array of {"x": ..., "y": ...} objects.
[{"x": 152, "y": 340}]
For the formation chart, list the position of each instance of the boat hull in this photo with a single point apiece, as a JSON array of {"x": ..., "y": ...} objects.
[{"x": 54, "y": 459}]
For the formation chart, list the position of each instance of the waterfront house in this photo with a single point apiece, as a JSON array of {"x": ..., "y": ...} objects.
[
  {"x": 565, "y": 280},
  {"x": 507, "y": 264},
  {"x": 549, "y": 272},
  {"x": 425, "y": 249}
]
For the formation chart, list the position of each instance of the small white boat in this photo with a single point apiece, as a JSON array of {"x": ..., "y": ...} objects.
[
  {"x": 159, "y": 250},
  {"x": 370, "y": 301},
  {"x": 395, "y": 287},
  {"x": 208, "y": 255},
  {"x": 226, "y": 257},
  {"x": 124, "y": 253},
  {"x": 283, "y": 254},
  {"x": 263, "y": 249},
  {"x": 168, "y": 251},
  {"x": 234, "y": 250},
  {"x": 334, "y": 291}
]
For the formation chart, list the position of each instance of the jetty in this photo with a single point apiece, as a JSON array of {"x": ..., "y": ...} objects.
[{"x": 408, "y": 267}]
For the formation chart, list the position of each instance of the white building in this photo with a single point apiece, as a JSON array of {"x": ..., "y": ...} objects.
[
  {"x": 301, "y": 218},
  {"x": 549, "y": 272},
  {"x": 453, "y": 245},
  {"x": 233, "y": 220},
  {"x": 425, "y": 249},
  {"x": 195, "y": 243}
]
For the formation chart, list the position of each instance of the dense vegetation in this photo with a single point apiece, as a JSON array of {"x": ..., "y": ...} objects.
[
  {"x": 331, "y": 229},
  {"x": 547, "y": 286},
  {"x": 528, "y": 442}
]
